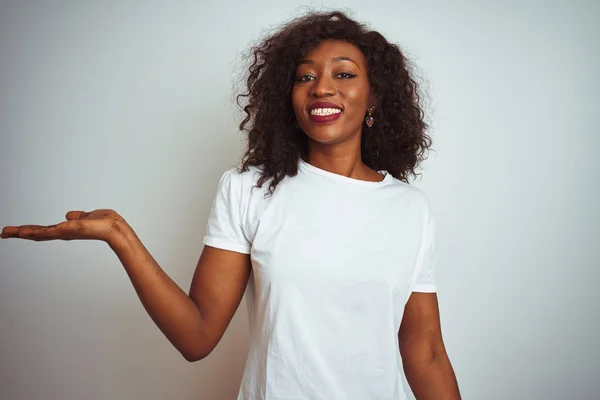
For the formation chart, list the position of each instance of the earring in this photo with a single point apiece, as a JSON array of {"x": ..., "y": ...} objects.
[{"x": 369, "y": 120}]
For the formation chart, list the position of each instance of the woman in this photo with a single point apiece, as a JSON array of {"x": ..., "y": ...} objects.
[{"x": 336, "y": 253}]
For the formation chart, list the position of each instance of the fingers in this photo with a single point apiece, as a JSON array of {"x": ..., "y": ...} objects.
[
  {"x": 40, "y": 232},
  {"x": 79, "y": 225},
  {"x": 12, "y": 231},
  {"x": 26, "y": 231},
  {"x": 73, "y": 215},
  {"x": 9, "y": 231},
  {"x": 31, "y": 232}
]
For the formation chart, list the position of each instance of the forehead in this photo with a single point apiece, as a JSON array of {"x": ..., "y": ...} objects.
[{"x": 332, "y": 48}]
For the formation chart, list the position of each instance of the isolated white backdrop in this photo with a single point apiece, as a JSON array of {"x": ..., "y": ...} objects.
[{"x": 128, "y": 105}]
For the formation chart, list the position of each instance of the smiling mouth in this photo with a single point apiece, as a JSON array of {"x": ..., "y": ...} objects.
[{"x": 324, "y": 115}]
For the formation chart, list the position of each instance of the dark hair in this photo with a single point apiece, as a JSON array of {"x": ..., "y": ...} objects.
[{"x": 397, "y": 142}]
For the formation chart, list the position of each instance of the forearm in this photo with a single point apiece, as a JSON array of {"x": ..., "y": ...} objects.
[
  {"x": 173, "y": 311},
  {"x": 433, "y": 379}
]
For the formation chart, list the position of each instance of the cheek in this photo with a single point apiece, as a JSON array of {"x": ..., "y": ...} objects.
[
  {"x": 357, "y": 105},
  {"x": 297, "y": 100},
  {"x": 357, "y": 97}
]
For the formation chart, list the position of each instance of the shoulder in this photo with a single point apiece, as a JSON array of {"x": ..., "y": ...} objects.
[
  {"x": 234, "y": 175},
  {"x": 409, "y": 201},
  {"x": 243, "y": 183},
  {"x": 413, "y": 194}
]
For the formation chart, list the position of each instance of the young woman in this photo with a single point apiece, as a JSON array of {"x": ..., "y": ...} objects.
[{"x": 336, "y": 252}]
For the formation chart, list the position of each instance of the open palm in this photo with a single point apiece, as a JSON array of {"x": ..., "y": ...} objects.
[{"x": 80, "y": 225}]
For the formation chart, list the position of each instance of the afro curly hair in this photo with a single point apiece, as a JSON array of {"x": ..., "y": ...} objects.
[{"x": 397, "y": 143}]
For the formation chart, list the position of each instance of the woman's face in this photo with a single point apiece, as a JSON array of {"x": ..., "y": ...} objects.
[{"x": 331, "y": 92}]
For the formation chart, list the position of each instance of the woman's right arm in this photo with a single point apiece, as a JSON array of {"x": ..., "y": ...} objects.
[{"x": 193, "y": 323}]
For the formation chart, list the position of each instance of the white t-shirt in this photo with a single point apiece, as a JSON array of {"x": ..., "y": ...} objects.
[{"x": 334, "y": 261}]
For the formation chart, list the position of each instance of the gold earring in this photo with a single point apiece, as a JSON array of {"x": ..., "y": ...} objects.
[{"x": 369, "y": 120}]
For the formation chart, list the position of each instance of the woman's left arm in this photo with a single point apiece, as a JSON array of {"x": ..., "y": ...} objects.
[{"x": 426, "y": 364}]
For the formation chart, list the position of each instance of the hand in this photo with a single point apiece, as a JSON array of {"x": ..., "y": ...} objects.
[{"x": 95, "y": 225}]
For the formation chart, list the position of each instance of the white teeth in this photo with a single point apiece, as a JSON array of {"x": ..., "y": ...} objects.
[{"x": 325, "y": 111}]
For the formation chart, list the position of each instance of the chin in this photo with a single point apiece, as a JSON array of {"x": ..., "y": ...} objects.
[
  {"x": 326, "y": 139},
  {"x": 326, "y": 134}
]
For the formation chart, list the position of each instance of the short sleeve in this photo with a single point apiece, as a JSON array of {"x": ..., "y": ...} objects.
[
  {"x": 224, "y": 226},
  {"x": 425, "y": 269}
]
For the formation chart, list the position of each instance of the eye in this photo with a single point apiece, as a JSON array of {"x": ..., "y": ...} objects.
[
  {"x": 346, "y": 75},
  {"x": 304, "y": 78}
]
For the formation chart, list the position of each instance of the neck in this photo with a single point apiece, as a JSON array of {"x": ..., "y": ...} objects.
[{"x": 342, "y": 159}]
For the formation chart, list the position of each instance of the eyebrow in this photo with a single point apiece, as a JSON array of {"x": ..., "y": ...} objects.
[{"x": 341, "y": 58}]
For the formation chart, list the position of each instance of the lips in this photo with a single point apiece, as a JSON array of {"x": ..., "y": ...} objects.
[
  {"x": 326, "y": 118},
  {"x": 323, "y": 104}
]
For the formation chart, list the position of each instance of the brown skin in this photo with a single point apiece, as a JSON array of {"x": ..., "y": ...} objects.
[
  {"x": 321, "y": 76},
  {"x": 194, "y": 323},
  {"x": 335, "y": 147},
  {"x": 426, "y": 364}
]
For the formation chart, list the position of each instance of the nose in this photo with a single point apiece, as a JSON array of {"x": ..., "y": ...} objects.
[{"x": 323, "y": 86}]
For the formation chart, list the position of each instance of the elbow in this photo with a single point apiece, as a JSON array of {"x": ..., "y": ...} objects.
[
  {"x": 193, "y": 355},
  {"x": 196, "y": 346},
  {"x": 426, "y": 356},
  {"x": 418, "y": 356}
]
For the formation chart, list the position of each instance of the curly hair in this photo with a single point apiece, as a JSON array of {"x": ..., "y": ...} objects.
[{"x": 397, "y": 142}]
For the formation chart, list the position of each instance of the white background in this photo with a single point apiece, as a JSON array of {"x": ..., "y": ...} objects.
[{"x": 128, "y": 105}]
